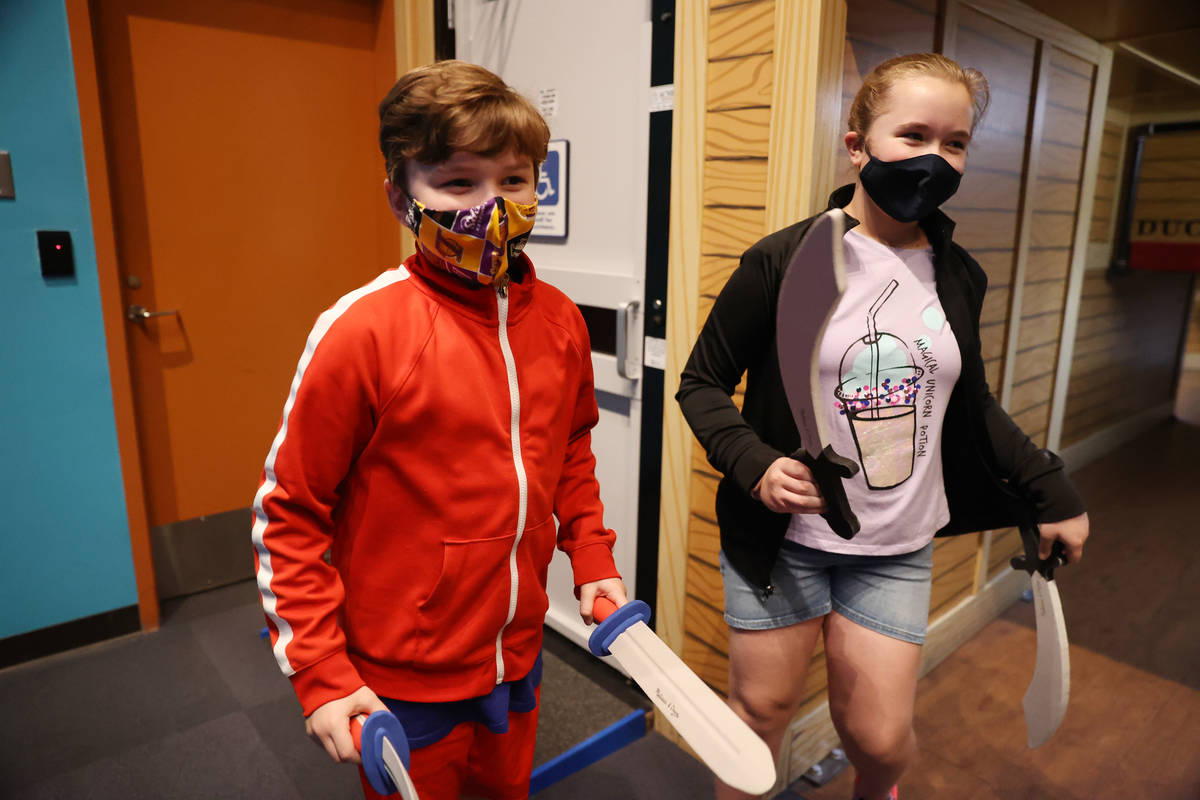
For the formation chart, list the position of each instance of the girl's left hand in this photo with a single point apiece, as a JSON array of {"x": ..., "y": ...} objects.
[
  {"x": 1071, "y": 532},
  {"x": 612, "y": 588}
]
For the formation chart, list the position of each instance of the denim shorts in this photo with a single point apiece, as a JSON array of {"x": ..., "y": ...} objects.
[{"x": 888, "y": 594}]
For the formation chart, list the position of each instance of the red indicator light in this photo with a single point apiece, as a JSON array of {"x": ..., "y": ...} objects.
[{"x": 58, "y": 247}]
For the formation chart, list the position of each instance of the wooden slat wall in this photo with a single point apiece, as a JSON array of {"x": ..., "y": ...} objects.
[
  {"x": 1125, "y": 349},
  {"x": 1193, "y": 336},
  {"x": 990, "y": 211},
  {"x": 1056, "y": 200},
  {"x": 687, "y": 186},
  {"x": 877, "y": 30},
  {"x": 1104, "y": 212},
  {"x": 1108, "y": 360},
  {"x": 1169, "y": 185},
  {"x": 738, "y": 139},
  {"x": 737, "y": 120},
  {"x": 987, "y": 206}
]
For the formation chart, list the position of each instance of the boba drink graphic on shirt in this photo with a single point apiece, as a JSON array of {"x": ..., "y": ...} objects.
[
  {"x": 877, "y": 394},
  {"x": 888, "y": 363}
]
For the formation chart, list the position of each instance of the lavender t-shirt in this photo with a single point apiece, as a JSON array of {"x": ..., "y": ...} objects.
[{"x": 888, "y": 363}]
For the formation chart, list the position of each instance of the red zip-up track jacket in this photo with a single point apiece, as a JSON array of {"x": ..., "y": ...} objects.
[{"x": 433, "y": 432}]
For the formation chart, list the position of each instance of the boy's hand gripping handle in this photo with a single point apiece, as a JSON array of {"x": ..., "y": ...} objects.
[
  {"x": 602, "y": 607},
  {"x": 611, "y": 622}
]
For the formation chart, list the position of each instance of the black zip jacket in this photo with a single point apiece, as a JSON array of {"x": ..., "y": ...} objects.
[{"x": 995, "y": 476}]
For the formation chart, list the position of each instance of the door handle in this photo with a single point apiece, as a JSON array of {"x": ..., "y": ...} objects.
[
  {"x": 626, "y": 314},
  {"x": 141, "y": 313}
]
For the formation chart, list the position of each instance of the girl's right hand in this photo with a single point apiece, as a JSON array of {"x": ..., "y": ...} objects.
[{"x": 787, "y": 487}]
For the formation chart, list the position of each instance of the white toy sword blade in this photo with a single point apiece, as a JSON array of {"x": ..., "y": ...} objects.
[
  {"x": 1049, "y": 691},
  {"x": 398, "y": 773},
  {"x": 725, "y": 743},
  {"x": 808, "y": 295}
]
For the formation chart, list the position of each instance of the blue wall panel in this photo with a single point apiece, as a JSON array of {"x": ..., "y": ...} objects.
[{"x": 64, "y": 533}]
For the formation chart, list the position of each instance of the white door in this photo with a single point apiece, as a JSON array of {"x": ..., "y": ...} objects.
[{"x": 586, "y": 65}]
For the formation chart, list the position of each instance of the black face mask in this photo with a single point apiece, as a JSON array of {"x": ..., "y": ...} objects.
[{"x": 912, "y": 188}]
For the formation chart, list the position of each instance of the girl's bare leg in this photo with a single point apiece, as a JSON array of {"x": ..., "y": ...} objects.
[
  {"x": 872, "y": 695},
  {"x": 766, "y": 682}
]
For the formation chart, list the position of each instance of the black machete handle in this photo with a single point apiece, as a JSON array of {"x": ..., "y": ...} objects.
[
  {"x": 1029, "y": 561},
  {"x": 829, "y": 470}
]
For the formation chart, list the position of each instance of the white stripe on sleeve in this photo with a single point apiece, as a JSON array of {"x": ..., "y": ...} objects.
[{"x": 265, "y": 571}]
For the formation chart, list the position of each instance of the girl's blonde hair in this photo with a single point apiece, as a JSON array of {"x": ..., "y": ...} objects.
[{"x": 872, "y": 96}]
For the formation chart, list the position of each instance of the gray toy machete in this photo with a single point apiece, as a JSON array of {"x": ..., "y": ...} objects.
[{"x": 808, "y": 295}]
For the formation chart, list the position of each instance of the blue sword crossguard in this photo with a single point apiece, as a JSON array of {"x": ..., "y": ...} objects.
[
  {"x": 381, "y": 725},
  {"x": 614, "y": 623}
]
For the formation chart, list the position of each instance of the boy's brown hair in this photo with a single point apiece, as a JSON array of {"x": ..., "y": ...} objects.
[{"x": 441, "y": 108}]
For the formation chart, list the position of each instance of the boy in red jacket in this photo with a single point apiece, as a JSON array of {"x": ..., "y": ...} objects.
[{"x": 438, "y": 423}]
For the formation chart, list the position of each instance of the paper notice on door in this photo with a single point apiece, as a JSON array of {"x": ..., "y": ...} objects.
[
  {"x": 662, "y": 98},
  {"x": 548, "y": 102},
  {"x": 655, "y": 353}
]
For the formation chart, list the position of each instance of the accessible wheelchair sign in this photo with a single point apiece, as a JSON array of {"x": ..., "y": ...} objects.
[{"x": 552, "y": 194}]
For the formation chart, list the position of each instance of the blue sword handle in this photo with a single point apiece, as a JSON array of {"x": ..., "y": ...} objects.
[
  {"x": 829, "y": 470},
  {"x": 1029, "y": 561}
]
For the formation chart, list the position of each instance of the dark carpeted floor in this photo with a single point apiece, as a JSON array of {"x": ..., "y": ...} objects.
[{"x": 199, "y": 709}]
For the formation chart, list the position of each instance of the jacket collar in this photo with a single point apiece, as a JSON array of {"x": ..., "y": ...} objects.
[
  {"x": 475, "y": 300},
  {"x": 938, "y": 227}
]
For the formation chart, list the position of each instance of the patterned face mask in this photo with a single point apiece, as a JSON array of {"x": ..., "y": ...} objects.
[{"x": 476, "y": 244}]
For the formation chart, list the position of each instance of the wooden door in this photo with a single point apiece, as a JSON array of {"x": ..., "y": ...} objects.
[{"x": 247, "y": 196}]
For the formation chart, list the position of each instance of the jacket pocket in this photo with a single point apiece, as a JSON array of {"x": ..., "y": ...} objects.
[
  {"x": 533, "y": 562},
  {"x": 460, "y": 619}
]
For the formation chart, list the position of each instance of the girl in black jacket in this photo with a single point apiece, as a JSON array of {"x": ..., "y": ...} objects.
[{"x": 901, "y": 367}]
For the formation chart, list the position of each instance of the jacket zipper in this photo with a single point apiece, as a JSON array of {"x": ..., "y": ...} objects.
[{"x": 514, "y": 395}]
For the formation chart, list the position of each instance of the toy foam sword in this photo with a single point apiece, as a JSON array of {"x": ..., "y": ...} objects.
[
  {"x": 385, "y": 756},
  {"x": 723, "y": 741},
  {"x": 1046, "y": 698},
  {"x": 808, "y": 295}
]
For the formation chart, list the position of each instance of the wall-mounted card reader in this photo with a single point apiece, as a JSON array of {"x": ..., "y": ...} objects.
[
  {"x": 57, "y": 256},
  {"x": 7, "y": 190}
]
